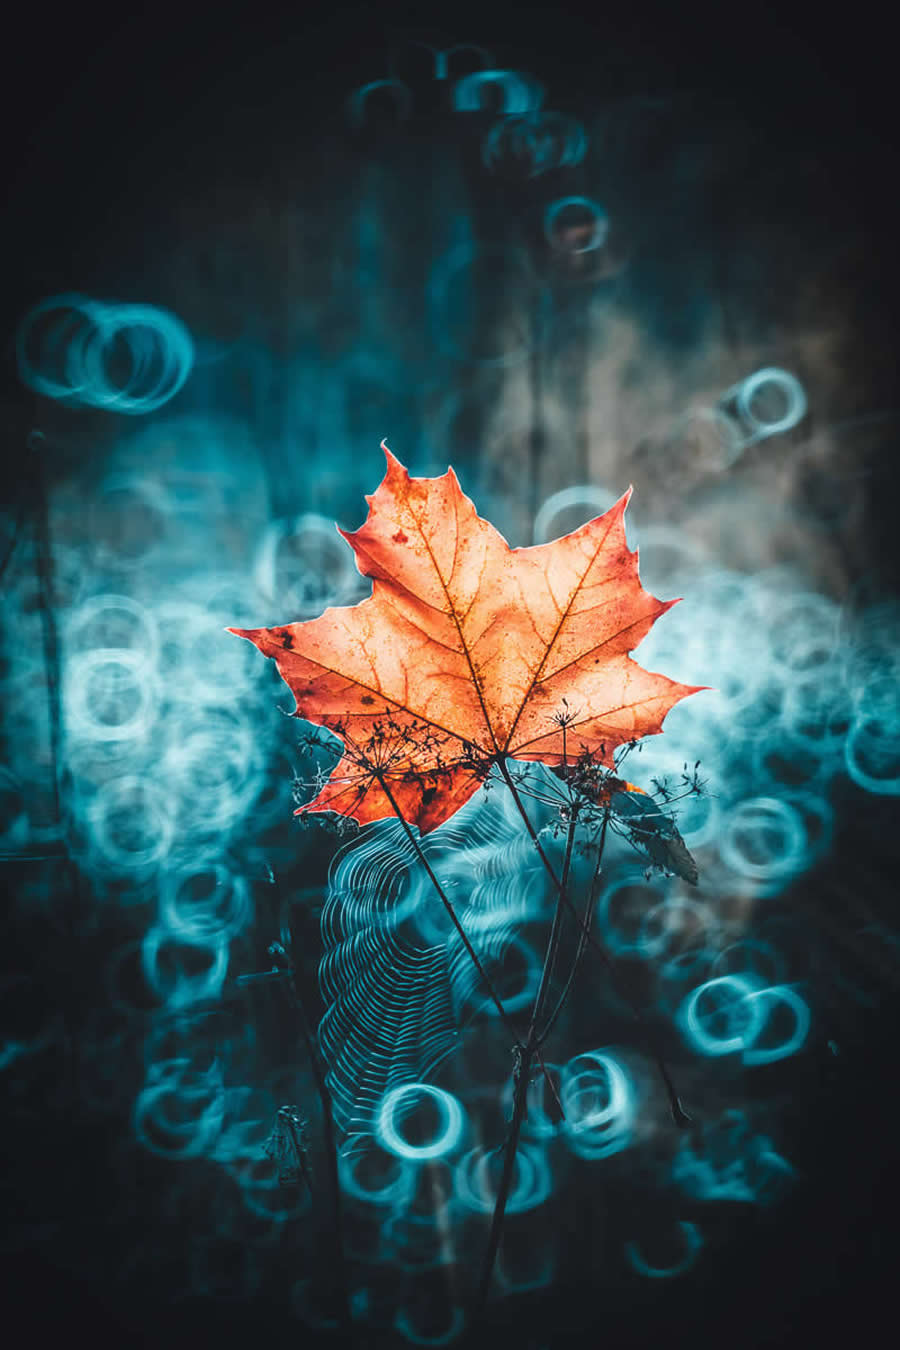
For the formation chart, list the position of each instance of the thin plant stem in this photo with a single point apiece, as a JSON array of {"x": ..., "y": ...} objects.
[
  {"x": 555, "y": 930},
  {"x": 448, "y": 906},
  {"x": 520, "y": 1101},
  {"x": 554, "y": 947},
  {"x": 330, "y": 1149},
  {"x": 445, "y": 900},
  {"x": 520, "y": 1095},
  {"x": 21, "y": 505},
  {"x": 679, "y": 1115},
  {"x": 583, "y": 936}
]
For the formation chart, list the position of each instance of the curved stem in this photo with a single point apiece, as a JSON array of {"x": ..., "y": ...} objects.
[
  {"x": 555, "y": 930},
  {"x": 520, "y": 1096},
  {"x": 21, "y": 505},
  {"x": 679, "y": 1115},
  {"x": 583, "y": 936},
  {"x": 330, "y": 1150},
  {"x": 507, "y": 776},
  {"x": 473, "y": 955},
  {"x": 445, "y": 901}
]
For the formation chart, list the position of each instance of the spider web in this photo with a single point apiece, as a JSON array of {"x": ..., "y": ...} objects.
[{"x": 397, "y": 980}]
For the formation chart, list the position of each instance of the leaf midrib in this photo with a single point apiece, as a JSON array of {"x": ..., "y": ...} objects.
[
  {"x": 453, "y": 615},
  {"x": 556, "y": 632}
]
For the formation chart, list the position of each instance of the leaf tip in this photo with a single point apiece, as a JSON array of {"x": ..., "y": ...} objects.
[
  {"x": 392, "y": 460},
  {"x": 617, "y": 511}
]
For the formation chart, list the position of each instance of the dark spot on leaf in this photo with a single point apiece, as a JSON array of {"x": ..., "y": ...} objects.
[
  {"x": 287, "y": 640},
  {"x": 428, "y": 796},
  {"x": 400, "y": 537},
  {"x": 367, "y": 698}
]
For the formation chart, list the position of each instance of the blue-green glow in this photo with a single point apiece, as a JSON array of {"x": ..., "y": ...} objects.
[{"x": 401, "y": 1102}]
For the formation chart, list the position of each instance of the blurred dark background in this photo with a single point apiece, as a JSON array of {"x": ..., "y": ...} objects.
[{"x": 125, "y": 135}]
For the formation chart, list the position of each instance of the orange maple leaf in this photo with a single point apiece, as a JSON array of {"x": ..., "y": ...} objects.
[{"x": 468, "y": 648}]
